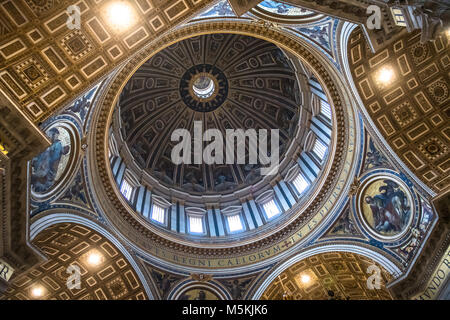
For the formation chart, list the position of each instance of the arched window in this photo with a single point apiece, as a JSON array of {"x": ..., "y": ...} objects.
[
  {"x": 271, "y": 209},
  {"x": 234, "y": 223},
  {"x": 196, "y": 220},
  {"x": 319, "y": 149},
  {"x": 195, "y": 224},
  {"x": 325, "y": 109},
  {"x": 300, "y": 183},
  {"x": 126, "y": 189},
  {"x": 399, "y": 17},
  {"x": 158, "y": 213}
]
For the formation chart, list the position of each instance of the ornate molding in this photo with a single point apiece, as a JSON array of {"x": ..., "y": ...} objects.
[
  {"x": 22, "y": 140},
  {"x": 337, "y": 246},
  {"x": 415, "y": 281},
  {"x": 128, "y": 223}
]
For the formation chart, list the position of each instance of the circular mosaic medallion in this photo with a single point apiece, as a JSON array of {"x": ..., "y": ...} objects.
[
  {"x": 283, "y": 9},
  {"x": 50, "y": 168},
  {"x": 198, "y": 291},
  {"x": 386, "y": 207}
]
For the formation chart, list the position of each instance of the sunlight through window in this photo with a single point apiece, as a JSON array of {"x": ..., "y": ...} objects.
[
  {"x": 234, "y": 222},
  {"x": 271, "y": 209},
  {"x": 196, "y": 224},
  {"x": 300, "y": 183},
  {"x": 126, "y": 189},
  {"x": 158, "y": 213},
  {"x": 319, "y": 149}
]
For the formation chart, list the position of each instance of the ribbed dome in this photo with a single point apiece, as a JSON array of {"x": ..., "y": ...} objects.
[{"x": 217, "y": 80}]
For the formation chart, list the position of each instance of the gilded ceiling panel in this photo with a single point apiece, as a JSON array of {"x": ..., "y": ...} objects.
[
  {"x": 44, "y": 63},
  {"x": 67, "y": 245},
  {"x": 412, "y": 112},
  {"x": 329, "y": 276}
]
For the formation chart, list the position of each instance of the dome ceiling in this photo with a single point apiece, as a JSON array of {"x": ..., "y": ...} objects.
[
  {"x": 238, "y": 220},
  {"x": 213, "y": 79}
]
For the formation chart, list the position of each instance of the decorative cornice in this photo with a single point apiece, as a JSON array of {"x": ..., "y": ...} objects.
[
  {"x": 436, "y": 244},
  {"x": 127, "y": 222}
]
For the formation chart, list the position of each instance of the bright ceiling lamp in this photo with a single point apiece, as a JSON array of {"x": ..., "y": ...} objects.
[
  {"x": 120, "y": 15},
  {"x": 37, "y": 291},
  {"x": 385, "y": 76},
  {"x": 94, "y": 258},
  {"x": 305, "y": 278}
]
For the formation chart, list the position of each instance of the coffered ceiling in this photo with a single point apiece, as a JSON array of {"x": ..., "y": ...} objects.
[
  {"x": 345, "y": 274},
  {"x": 413, "y": 111},
  {"x": 44, "y": 64},
  {"x": 68, "y": 244}
]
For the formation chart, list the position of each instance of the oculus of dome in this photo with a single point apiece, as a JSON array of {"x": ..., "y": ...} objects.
[{"x": 204, "y": 88}]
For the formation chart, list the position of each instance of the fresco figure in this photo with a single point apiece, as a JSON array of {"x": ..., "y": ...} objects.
[
  {"x": 198, "y": 294},
  {"x": 374, "y": 157},
  {"x": 76, "y": 191},
  {"x": 192, "y": 183},
  {"x": 282, "y": 8},
  {"x": 389, "y": 208},
  {"x": 201, "y": 295},
  {"x": 45, "y": 166},
  {"x": 279, "y": 7}
]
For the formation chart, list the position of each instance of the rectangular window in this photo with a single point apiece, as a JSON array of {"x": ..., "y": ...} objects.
[
  {"x": 196, "y": 224},
  {"x": 271, "y": 209},
  {"x": 325, "y": 109},
  {"x": 399, "y": 17},
  {"x": 234, "y": 223},
  {"x": 300, "y": 183},
  {"x": 319, "y": 149},
  {"x": 158, "y": 213},
  {"x": 126, "y": 189}
]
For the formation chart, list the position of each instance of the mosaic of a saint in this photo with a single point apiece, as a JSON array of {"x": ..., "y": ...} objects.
[
  {"x": 198, "y": 294},
  {"x": 386, "y": 207},
  {"x": 49, "y": 165}
]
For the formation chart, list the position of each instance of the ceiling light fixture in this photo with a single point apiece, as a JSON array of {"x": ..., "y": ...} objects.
[
  {"x": 120, "y": 15},
  {"x": 94, "y": 258},
  {"x": 305, "y": 278},
  {"x": 37, "y": 291},
  {"x": 385, "y": 76}
]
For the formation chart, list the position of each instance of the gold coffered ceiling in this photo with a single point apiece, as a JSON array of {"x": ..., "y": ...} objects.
[
  {"x": 68, "y": 244},
  {"x": 44, "y": 64},
  {"x": 343, "y": 273},
  {"x": 413, "y": 111}
]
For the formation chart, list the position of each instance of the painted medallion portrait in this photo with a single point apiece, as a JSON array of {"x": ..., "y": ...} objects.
[
  {"x": 386, "y": 207},
  {"x": 282, "y": 8},
  {"x": 47, "y": 167},
  {"x": 198, "y": 294}
]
